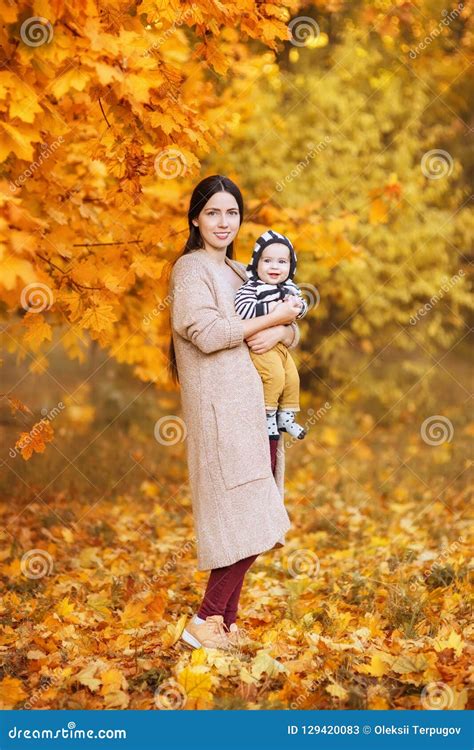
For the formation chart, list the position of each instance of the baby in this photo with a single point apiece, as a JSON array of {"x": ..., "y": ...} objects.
[{"x": 270, "y": 274}]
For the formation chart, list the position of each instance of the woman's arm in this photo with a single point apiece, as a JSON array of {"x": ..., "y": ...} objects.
[
  {"x": 265, "y": 340},
  {"x": 255, "y": 325}
]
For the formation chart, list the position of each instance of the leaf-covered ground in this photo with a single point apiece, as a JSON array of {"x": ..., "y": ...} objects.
[{"x": 367, "y": 606}]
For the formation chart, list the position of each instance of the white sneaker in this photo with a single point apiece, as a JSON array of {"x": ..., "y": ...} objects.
[{"x": 208, "y": 634}]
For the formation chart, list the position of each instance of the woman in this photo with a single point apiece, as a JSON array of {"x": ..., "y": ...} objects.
[{"x": 237, "y": 502}]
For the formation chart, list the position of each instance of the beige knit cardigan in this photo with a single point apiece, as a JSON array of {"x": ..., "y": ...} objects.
[{"x": 237, "y": 504}]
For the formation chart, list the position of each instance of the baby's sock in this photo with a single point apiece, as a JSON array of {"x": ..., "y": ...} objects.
[
  {"x": 286, "y": 423},
  {"x": 272, "y": 426}
]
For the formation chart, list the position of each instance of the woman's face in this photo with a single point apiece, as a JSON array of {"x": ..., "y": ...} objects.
[{"x": 219, "y": 221}]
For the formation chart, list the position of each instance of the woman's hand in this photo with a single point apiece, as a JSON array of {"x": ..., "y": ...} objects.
[
  {"x": 285, "y": 311},
  {"x": 263, "y": 341}
]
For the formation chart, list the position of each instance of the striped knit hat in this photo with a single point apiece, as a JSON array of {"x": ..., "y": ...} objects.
[{"x": 269, "y": 238}]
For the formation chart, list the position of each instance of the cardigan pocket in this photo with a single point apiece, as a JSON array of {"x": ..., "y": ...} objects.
[{"x": 243, "y": 452}]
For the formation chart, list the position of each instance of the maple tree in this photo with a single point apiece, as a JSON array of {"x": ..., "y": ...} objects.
[
  {"x": 102, "y": 107},
  {"x": 374, "y": 193}
]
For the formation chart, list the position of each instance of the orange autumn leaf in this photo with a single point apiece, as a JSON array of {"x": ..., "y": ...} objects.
[
  {"x": 35, "y": 440},
  {"x": 17, "y": 405},
  {"x": 11, "y": 692}
]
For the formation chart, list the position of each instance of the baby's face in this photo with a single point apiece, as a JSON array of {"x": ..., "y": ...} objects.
[{"x": 273, "y": 266}]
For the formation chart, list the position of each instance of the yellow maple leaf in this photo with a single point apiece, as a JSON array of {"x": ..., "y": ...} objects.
[
  {"x": 117, "y": 699},
  {"x": 12, "y": 268},
  {"x": 338, "y": 691},
  {"x": 100, "y": 317},
  {"x": 377, "y": 703},
  {"x": 454, "y": 641},
  {"x": 196, "y": 681},
  {"x": 173, "y": 632},
  {"x": 134, "y": 614},
  {"x": 11, "y": 692},
  {"x": 13, "y": 570},
  {"x": 87, "y": 676},
  {"x": 378, "y": 665},
  {"x": 38, "y": 331},
  {"x": 145, "y": 266},
  {"x": 404, "y": 664},
  {"x": 263, "y": 662},
  {"x": 198, "y": 656},
  {"x": 157, "y": 605},
  {"x": 136, "y": 86},
  {"x": 72, "y": 300},
  {"x": 113, "y": 680},
  {"x": 65, "y": 609},
  {"x": 99, "y": 603},
  {"x": 24, "y": 102},
  {"x": 73, "y": 79},
  {"x": 18, "y": 139}
]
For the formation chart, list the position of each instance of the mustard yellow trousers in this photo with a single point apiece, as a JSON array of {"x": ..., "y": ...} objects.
[{"x": 281, "y": 382}]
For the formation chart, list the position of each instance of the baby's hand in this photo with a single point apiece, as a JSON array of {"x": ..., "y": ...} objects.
[{"x": 294, "y": 297}]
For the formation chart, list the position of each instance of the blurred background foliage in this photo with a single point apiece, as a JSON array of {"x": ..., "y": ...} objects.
[{"x": 333, "y": 138}]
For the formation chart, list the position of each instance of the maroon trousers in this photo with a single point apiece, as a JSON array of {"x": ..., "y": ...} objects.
[{"x": 225, "y": 584}]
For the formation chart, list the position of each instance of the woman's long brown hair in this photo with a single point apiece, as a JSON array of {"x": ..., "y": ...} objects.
[{"x": 216, "y": 183}]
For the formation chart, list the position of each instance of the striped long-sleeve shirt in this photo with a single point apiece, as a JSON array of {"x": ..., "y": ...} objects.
[{"x": 254, "y": 296}]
